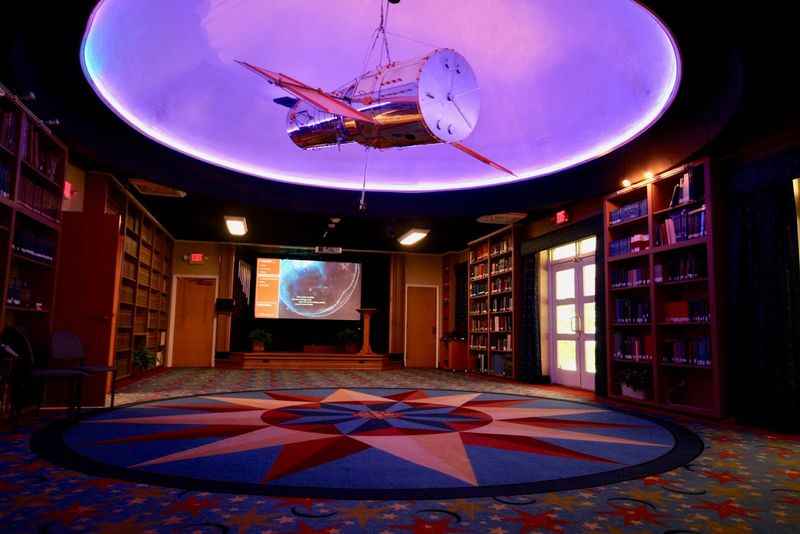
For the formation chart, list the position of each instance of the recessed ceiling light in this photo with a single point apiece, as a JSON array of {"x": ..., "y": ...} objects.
[
  {"x": 415, "y": 235},
  {"x": 236, "y": 225}
]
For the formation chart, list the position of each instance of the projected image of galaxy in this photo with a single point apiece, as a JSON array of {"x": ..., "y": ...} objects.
[{"x": 319, "y": 290}]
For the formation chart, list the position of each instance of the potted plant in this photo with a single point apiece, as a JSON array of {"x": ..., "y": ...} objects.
[
  {"x": 349, "y": 339},
  {"x": 144, "y": 359},
  {"x": 259, "y": 339},
  {"x": 634, "y": 382}
]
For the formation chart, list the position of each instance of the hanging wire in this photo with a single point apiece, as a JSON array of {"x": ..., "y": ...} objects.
[
  {"x": 419, "y": 42},
  {"x": 379, "y": 33},
  {"x": 362, "y": 203}
]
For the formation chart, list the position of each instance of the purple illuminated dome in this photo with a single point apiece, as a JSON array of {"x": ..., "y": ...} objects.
[{"x": 559, "y": 84}]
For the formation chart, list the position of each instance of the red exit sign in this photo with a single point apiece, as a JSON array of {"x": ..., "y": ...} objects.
[
  {"x": 195, "y": 258},
  {"x": 561, "y": 217}
]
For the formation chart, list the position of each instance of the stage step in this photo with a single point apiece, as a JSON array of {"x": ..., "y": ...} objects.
[{"x": 305, "y": 360}]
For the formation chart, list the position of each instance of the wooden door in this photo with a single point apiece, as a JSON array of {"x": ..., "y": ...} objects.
[
  {"x": 421, "y": 327},
  {"x": 194, "y": 322}
]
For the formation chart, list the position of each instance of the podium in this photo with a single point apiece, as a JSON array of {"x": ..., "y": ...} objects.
[{"x": 366, "y": 317}]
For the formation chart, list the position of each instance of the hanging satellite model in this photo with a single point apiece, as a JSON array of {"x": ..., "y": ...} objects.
[{"x": 433, "y": 99}]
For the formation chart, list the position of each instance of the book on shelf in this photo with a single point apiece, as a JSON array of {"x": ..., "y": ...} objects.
[
  {"x": 501, "y": 323},
  {"x": 686, "y": 266},
  {"x": 688, "y": 224},
  {"x": 38, "y": 198},
  {"x": 5, "y": 180},
  {"x": 501, "y": 264},
  {"x": 633, "y": 347},
  {"x": 686, "y": 311},
  {"x": 501, "y": 284},
  {"x": 8, "y": 129},
  {"x": 688, "y": 189},
  {"x": 500, "y": 303},
  {"x": 479, "y": 270},
  {"x": 36, "y": 246},
  {"x": 631, "y": 311},
  {"x": 633, "y": 277},
  {"x": 479, "y": 289},
  {"x": 687, "y": 351},
  {"x": 501, "y": 247},
  {"x": 629, "y": 244},
  {"x": 632, "y": 210},
  {"x": 501, "y": 342}
]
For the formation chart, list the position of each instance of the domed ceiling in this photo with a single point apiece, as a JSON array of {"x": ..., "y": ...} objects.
[{"x": 560, "y": 83}]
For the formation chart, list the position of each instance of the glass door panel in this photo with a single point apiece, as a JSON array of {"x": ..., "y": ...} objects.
[
  {"x": 566, "y": 355},
  {"x": 572, "y": 281}
]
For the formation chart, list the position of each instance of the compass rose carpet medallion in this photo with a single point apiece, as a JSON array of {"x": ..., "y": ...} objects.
[{"x": 369, "y": 442}]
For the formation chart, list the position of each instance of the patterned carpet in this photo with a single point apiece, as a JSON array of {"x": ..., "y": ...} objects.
[{"x": 743, "y": 482}]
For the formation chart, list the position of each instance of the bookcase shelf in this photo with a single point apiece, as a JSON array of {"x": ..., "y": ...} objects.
[
  {"x": 493, "y": 288},
  {"x": 128, "y": 263},
  {"x": 672, "y": 284},
  {"x": 32, "y": 171}
]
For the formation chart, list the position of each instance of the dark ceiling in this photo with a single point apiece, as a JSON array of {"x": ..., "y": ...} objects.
[{"x": 735, "y": 88}]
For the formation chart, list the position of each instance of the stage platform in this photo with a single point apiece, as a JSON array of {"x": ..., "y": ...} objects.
[{"x": 304, "y": 360}]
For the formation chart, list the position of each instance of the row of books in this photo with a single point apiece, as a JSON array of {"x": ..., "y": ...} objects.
[
  {"x": 479, "y": 254},
  {"x": 688, "y": 351},
  {"x": 501, "y": 323},
  {"x": 479, "y": 306},
  {"x": 41, "y": 156},
  {"x": 688, "y": 224},
  {"x": 478, "y": 340},
  {"x": 34, "y": 245},
  {"x": 22, "y": 295},
  {"x": 5, "y": 180},
  {"x": 39, "y": 198},
  {"x": 8, "y": 129},
  {"x": 501, "y": 342},
  {"x": 501, "y": 264},
  {"x": 682, "y": 267},
  {"x": 500, "y": 303},
  {"x": 684, "y": 311},
  {"x": 479, "y": 270},
  {"x": 629, "y": 211},
  {"x": 628, "y": 244},
  {"x": 633, "y": 277},
  {"x": 633, "y": 347},
  {"x": 631, "y": 311},
  {"x": 479, "y": 289},
  {"x": 501, "y": 246},
  {"x": 501, "y": 284},
  {"x": 479, "y": 324},
  {"x": 688, "y": 189}
]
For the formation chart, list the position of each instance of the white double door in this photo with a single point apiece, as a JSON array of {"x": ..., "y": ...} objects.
[{"x": 572, "y": 322}]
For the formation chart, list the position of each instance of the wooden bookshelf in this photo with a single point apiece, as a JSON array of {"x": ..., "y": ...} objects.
[
  {"x": 32, "y": 169},
  {"x": 125, "y": 256},
  {"x": 661, "y": 292},
  {"x": 493, "y": 302},
  {"x": 145, "y": 281}
]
